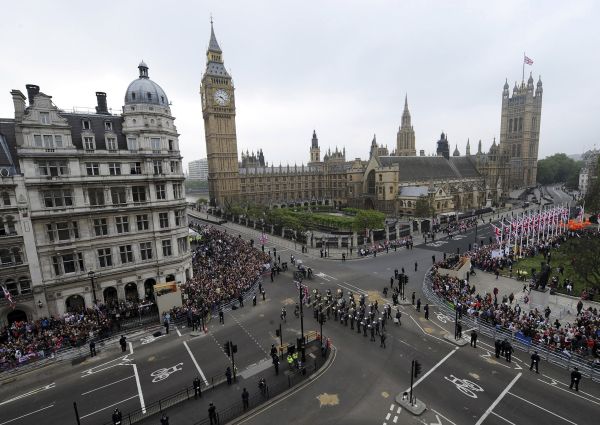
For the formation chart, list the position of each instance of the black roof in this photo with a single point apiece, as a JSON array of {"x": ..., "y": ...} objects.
[
  {"x": 8, "y": 145},
  {"x": 420, "y": 168},
  {"x": 97, "y": 121}
]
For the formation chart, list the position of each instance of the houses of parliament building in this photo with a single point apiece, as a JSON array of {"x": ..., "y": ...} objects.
[{"x": 388, "y": 181}]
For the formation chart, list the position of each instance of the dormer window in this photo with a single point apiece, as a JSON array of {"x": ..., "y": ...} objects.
[
  {"x": 132, "y": 96},
  {"x": 107, "y": 125},
  {"x": 149, "y": 95},
  {"x": 86, "y": 125},
  {"x": 45, "y": 117},
  {"x": 162, "y": 99}
]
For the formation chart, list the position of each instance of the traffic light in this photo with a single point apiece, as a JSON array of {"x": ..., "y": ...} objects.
[
  {"x": 405, "y": 278},
  {"x": 227, "y": 349},
  {"x": 418, "y": 369}
]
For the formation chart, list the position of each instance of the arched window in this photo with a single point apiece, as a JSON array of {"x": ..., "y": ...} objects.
[
  {"x": 5, "y": 198},
  {"x": 510, "y": 125},
  {"x": 521, "y": 124},
  {"x": 24, "y": 285}
]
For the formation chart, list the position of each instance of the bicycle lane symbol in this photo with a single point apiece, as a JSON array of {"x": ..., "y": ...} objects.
[
  {"x": 164, "y": 373},
  {"x": 443, "y": 318},
  {"x": 465, "y": 386}
]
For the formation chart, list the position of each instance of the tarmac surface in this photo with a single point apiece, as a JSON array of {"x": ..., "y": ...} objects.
[{"x": 459, "y": 385}]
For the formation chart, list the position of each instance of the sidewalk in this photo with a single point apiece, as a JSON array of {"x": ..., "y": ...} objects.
[
  {"x": 227, "y": 399},
  {"x": 562, "y": 307}
]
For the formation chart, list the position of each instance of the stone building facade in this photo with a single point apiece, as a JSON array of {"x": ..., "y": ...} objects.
[
  {"x": 388, "y": 182},
  {"x": 100, "y": 198}
]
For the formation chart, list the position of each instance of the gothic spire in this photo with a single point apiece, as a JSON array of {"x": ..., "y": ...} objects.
[{"x": 213, "y": 45}]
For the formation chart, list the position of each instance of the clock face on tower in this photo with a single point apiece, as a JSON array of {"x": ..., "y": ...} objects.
[{"x": 221, "y": 97}]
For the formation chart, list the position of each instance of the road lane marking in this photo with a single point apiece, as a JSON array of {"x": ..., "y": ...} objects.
[
  {"x": 503, "y": 418},
  {"x": 442, "y": 416},
  {"x": 178, "y": 333},
  {"x": 139, "y": 388},
  {"x": 428, "y": 334},
  {"x": 430, "y": 371},
  {"x": 500, "y": 397},
  {"x": 107, "y": 407},
  {"x": 553, "y": 384},
  {"x": 566, "y": 385},
  {"x": 387, "y": 417},
  {"x": 541, "y": 408},
  {"x": 32, "y": 392},
  {"x": 26, "y": 414},
  {"x": 130, "y": 348},
  {"x": 95, "y": 369},
  {"x": 195, "y": 363},
  {"x": 107, "y": 385}
]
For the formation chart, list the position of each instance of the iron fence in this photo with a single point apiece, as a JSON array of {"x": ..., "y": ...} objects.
[{"x": 587, "y": 367}]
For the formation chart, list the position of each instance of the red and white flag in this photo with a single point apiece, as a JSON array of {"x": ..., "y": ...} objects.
[
  {"x": 9, "y": 297},
  {"x": 263, "y": 239},
  {"x": 527, "y": 60}
]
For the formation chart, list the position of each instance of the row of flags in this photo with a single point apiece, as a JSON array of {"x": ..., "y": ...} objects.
[{"x": 531, "y": 226}]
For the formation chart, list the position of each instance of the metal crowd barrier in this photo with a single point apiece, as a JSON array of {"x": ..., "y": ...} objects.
[{"x": 589, "y": 368}]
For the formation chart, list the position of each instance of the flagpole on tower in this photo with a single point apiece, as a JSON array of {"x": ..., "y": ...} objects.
[{"x": 523, "y": 78}]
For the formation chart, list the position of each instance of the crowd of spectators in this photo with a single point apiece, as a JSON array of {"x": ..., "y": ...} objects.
[
  {"x": 225, "y": 267},
  {"x": 23, "y": 341},
  {"x": 582, "y": 336}
]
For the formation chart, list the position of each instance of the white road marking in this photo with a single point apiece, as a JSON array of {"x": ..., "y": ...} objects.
[
  {"x": 387, "y": 417},
  {"x": 130, "y": 348},
  {"x": 432, "y": 336},
  {"x": 567, "y": 391},
  {"x": 395, "y": 419},
  {"x": 139, "y": 388},
  {"x": 500, "y": 397},
  {"x": 399, "y": 410},
  {"x": 503, "y": 418},
  {"x": 391, "y": 407},
  {"x": 554, "y": 382},
  {"x": 163, "y": 373},
  {"x": 195, "y": 363},
  {"x": 541, "y": 408},
  {"x": 178, "y": 333},
  {"x": 99, "y": 368},
  {"x": 430, "y": 371},
  {"x": 439, "y": 414},
  {"x": 26, "y": 414},
  {"x": 107, "y": 407},
  {"x": 437, "y": 421},
  {"x": 32, "y": 392},
  {"x": 107, "y": 385}
]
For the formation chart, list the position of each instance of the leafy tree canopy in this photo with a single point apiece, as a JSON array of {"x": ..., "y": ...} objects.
[{"x": 559, "y": 168}]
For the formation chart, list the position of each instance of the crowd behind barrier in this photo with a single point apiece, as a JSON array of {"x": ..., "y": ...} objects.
[{"x": 581, "y": 337}]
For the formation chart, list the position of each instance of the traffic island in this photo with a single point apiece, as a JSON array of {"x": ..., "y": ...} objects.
[
  {"x": 417, "y": 407},
  {"x": 461, "y": 342}
]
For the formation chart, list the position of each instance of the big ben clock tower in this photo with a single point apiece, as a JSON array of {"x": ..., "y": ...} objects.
[{"x": 218, "y": 111}]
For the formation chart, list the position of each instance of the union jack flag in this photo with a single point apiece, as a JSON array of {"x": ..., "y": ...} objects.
[
  {"x": 527, "y": 60},
  {"x": 9, "y": 297}
]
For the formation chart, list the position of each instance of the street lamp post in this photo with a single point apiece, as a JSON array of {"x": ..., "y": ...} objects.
[{"x": 91, "y": 274}]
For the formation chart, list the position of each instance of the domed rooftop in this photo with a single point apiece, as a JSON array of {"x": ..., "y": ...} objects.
[{"x": 144, "y": 90}]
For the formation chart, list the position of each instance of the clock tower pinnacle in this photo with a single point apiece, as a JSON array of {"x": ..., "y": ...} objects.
[{"x": 218, "y": 111}]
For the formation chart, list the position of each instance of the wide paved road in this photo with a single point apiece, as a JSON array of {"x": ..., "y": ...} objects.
[{"x": 459, "y": 385}]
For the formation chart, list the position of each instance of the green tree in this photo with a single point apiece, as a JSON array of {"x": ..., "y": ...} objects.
[
  {"x": 368, "y": 219},
  {"x": 558, "y": 168},
  {"x": 423, "y": 207},
  {"x": 585, "y": 258},
  {"x": 592, "y": 198}
]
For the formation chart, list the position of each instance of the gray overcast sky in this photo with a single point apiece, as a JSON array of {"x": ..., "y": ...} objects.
[{"x": 341, "y": 67}]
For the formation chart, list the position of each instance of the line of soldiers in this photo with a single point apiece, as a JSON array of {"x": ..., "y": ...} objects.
[
  {"x": 368, "y": 318},
  {"x": 504, "y": 349}
]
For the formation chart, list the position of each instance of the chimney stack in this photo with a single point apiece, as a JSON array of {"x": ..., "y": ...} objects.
[
  {"x": 19, "y": 102},
  {"x": 101, "y": 100},
  {"x": 32, "y": 92}
]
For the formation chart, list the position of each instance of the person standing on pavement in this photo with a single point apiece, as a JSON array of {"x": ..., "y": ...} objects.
[
  {"x": 426, "y": 309},
  {"x": 419, "y": 305},
  {"x": 228, "y": 375},
  {"x": 473, "y": 338},
  {"x": 416, "y": 266},
  {"x": 245, "y": 398},
  {"x": 92, "y": 348},
  {"x": 117, "y": 417},
  {"x": 413, "y": 298},
  {"x": 123, "y": 343},
  {"x": 212, "y": 414},
  {"x": 164, "y": 420},
  {"x": 458, "y": 330},
  {"x": 276, "y": 365},
  {"x": 166, "y": 324},
  {"x": 498, "y": 347},
  {"x": 575, "y": 378},
  {"x": 221, "y": 317},
  {"x": 535, "y": 360},
  {"x": 382, "y": 338},
  {"x": 197, "y": 388},
  {"x": 508, "y": 350}
]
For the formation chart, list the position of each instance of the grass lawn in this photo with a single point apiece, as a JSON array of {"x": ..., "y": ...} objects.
[{"x": 558, "y": 258}]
